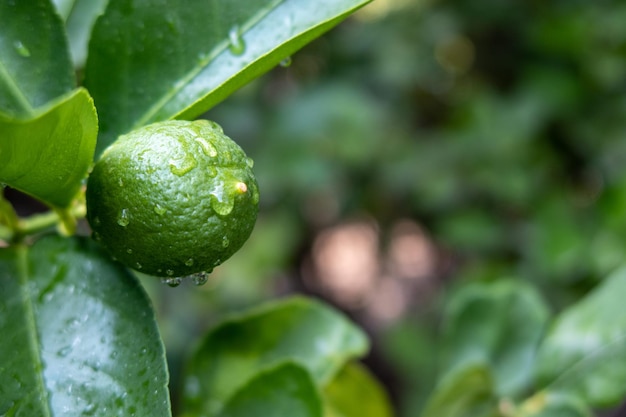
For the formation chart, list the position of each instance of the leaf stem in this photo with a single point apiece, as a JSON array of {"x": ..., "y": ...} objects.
[{"x": 13, "y": 229}]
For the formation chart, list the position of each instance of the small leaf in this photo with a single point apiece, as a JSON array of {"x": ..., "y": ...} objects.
[
  {"x": 49, "y": 155},
  {"x": 584, "y": 354},
  {"x": 355, "y": 392},
  {"x": 78, "y": 334},
  {"x": 284, "y": 391},
  {"x": 35, "y": 67},
  {"x": 300, "y": 330},
  {"x": 468, "y": 392},
  {"x": 548, "y": 404},
  {"x": 497, "y": 324},
  {"x": 154, "y": 60}
]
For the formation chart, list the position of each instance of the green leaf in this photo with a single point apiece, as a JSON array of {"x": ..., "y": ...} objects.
[
  {"x": 284, "y": 391},
  {"x": 154, "y": 60},
  {"x": 548, "y": 404},
  {"x": 497, "y": 324},
  {"x": 297, "y": 329},
  {"x": 466, "y": 393},
  {"x": 78, "y": 335},
  {"x": 35, "y": 66},
  {"x": 355, "y": 392},
  {"x": 49, "y": 155},
  {"x": 584, "y": 353},
  {"x": 79, "y": 17}
]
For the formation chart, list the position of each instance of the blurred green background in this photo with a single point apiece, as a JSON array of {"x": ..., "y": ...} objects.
[{"x": 420, "y": 146}]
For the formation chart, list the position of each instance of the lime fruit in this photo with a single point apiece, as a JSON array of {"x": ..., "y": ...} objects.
[{"x": 173, "y": 199}]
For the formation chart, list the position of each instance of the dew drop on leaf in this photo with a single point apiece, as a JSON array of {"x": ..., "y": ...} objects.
[
  {"x": 285, "y": 62},
  {"x": 236, "y": 43},
  {"x": 21, "y": 49}
]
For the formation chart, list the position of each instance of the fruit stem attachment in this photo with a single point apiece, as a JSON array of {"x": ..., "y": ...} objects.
[{"x": 14, "y": 229}]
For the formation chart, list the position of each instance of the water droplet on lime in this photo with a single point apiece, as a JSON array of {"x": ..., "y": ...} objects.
[
  {"x": 172, "y": 281},
  {"x": 181, "y": 167},
  {"x": 129, "y": 251},
  {"x": 123, "y": 218},
  {"x": 207, "y": 148},
  {"x": 225, "y": 242},
  {"x": 158, "y": 209},
  {"x": 200, "y": 278},
  {"x": 189, "y": 262},
  {"x": 249, "y": 162}
]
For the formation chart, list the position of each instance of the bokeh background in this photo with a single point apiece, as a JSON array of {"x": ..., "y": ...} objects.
[{"x": 419, "y": 146}]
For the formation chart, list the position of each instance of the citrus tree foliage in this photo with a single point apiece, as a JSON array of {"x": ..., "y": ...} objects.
[{"x": 79, "y": 333}]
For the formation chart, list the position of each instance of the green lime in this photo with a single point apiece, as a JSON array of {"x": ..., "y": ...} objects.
[{"x": 173, "y": 199}]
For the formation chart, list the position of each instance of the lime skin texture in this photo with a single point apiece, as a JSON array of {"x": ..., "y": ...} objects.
[{"x": 173, "y": 199}]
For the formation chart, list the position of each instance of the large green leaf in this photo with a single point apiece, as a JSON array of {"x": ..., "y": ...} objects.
[
  {"x": 35, "y": 67},
  {"x": 498, "y": 324},
  {"x": 466, "y": 393},
  {"x": 79, "y": 17},
  {"x": 584, "y": 354},
  {"x": 355, "y": 392},
  {"x": 78, "y": 335},
  {"x": 284, "y": 391},
  {"x": 49, "y": 155},
  {"x": 153, "y": 60},
  {"x": 298, "y": 329},
  {"x": 547, "y": 404}
]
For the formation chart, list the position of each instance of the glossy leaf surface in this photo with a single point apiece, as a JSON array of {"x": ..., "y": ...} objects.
[
  {"x": 49, "y": 155},
  {"x": 152, "y": 60},
  {"x": 299, "y": 330},
  {"x": 584, "y": 354},
  {"x": 499, "y": 325},
  {"x": 78, "y": 335},
  {"x": 79, "y": 17},
  {"x": 355, "y": 392},
  {"x": 547, "y": 404},
  {"x": 284, "y": 391},
  {"x": 466, "y": 393},
  {"x": 35, "y": 66}
]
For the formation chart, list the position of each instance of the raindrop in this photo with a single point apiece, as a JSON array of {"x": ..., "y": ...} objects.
[
  {"x": 249, "y": 162},
  {"x": 138, "y": 265},
  {"x": 212, "y": 171},
  {"x": 158, "y": 209},
  {"x": 200, "y": 278},
  {"x": 189, "y": 262},
  {"x": 89, "y": 410},
  {"x": 169, "y": 272},
  {"x": 223, "y": 208},
  {"x": 285, "y": 62},
  {"x": 237, "y": 45},
  {"x": 123, "y": 218},
  {"x": 225, "y": 242},
  {"x": 120, "y": 182},
  {"x": 172, "y": 282},
  {"x": 181, "y": 167},
  {"x": 207, "y": 147},
  {"x": 129, "y": 251},
  {"x": 21, "y": 49},
  {"x": 215, "y": 126},
  {"x": 64, "y": 351}
]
